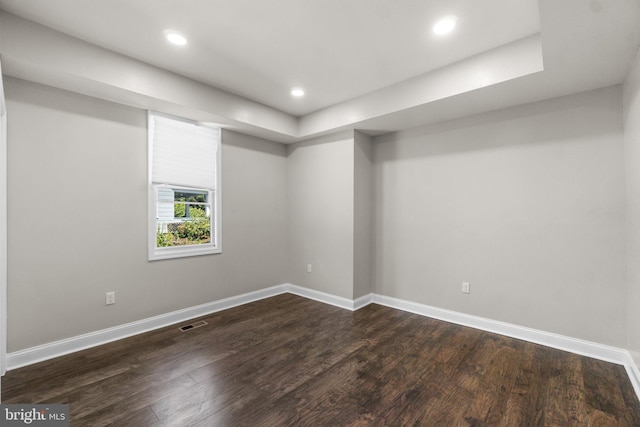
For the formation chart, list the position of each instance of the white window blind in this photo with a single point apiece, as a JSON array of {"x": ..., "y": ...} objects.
[
  {"x": 184, "y": 215},
  {"x": 184, "y": 154}
]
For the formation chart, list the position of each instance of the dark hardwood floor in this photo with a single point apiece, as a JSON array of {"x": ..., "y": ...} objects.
[{"x": 288, "y": 361}]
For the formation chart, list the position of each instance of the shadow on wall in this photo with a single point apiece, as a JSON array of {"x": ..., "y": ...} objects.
[
  {"x": 251, "y": 143},
  {"x": 340, "y": 136},
  {"x": 514, "y": 126},
  {"x": 107, "y": 111}
]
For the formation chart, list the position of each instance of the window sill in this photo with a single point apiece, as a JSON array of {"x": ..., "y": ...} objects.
[{"x": 182, "y": 251}]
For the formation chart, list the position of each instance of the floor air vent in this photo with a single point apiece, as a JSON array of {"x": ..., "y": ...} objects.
[{"x": 192, "y": 325}]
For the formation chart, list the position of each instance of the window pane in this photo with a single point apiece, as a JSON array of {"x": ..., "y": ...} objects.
[
  {"x": 191, "y": 195},
  {"x": 184, "y": 204},
  {"x": 184, "y": 217}
]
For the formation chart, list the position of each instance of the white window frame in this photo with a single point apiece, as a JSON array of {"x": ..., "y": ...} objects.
[
  {"x": 3, "y": 229},
  {"x": 214, "y": 197}
]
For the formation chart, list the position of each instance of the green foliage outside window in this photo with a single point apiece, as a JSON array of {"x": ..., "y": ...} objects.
[
  {"x": 190, "y": 232},
  {"x": 179, "y": 209},
  {"x": 163, "y": 239},
  {"x": 195, "y": 230},
  {"x": 195, "y": 212}
]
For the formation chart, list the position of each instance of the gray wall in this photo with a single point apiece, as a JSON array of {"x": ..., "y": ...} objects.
[
  {"x": 527, "y": 204},
  {"x": 320, "y": 211},
  {"x": 77, "y": 219},
  {"x": 632, "y": 159},
  {"x": 363, "y": 215},
  {"x": 330, "y": 214}
]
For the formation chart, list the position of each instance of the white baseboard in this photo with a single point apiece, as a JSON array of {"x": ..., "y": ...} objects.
[
  {"x": 586, "y": 348},
  {"x": 633, "y": 373},
  {"x": 342, "y": 302},
  {"x": 560, "y": 342},
  {"x": 603, "y": 352},
  {"x": 59, "y": 348},
  {"x": 363, "y": 301},
  {"x": 324, "y": 297}
]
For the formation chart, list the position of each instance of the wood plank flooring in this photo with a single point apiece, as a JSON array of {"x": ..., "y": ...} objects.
[{"x": 287, "y": 361}]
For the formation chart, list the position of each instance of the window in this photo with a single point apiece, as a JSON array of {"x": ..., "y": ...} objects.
[{"x": 184, "y": 188}]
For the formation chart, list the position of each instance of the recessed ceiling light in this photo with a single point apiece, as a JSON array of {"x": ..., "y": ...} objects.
[
  {"x": 297, "y": 92},
  {"x": 445, "y": 25},
  {"x": 175, "y": 38}
]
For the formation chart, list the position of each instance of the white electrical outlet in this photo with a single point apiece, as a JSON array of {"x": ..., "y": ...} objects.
[
  {"x": 111, "y": 298},
  {"x": 309, "y": 267},
  {"x": 465, "y": 287}
]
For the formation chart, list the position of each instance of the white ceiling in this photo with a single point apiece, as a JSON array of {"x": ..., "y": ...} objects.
[
  {"x": 260, "y": 49},
  {"x": 367, "y": 64}
]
